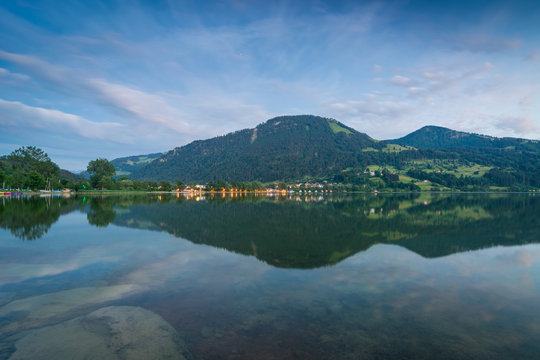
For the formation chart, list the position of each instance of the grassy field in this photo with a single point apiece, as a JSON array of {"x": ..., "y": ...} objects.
[
  {"x": 449, "y": 167},
  {"x": 380, "y": 168},
  {"x": 406, "y": 179},
  {"x": 140, "y": 160},
  {"x": 336, "y": 128},
  {"x": 394, "y": 148}
]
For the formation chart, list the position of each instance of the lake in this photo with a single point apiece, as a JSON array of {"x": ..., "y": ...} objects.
[{"x": 412, "y": 276}]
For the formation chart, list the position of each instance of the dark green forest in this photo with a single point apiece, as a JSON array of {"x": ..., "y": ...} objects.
[{"x": 283, "y": 148}]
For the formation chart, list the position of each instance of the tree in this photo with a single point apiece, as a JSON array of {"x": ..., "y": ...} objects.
[
  {"x": 164, "y": 185},
  {"x": 31, "y": 158},
  {"x": 101, "y": 212},
  {"x": 101, "y": 172},
  {"x": 180, "y": 185},
  {"x": 35, "y": 181},
  {"x": 28, "y": 161}
]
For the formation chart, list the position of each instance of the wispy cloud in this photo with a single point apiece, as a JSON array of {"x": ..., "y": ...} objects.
[
  {"x": 137, "y": 104},
  {"x": 401, "y": 81},
  {"x": 7, "y": 76},
  {"x": 464, "y": 95},
  {"x": 18, "y": 115},
  {"x": 516, "y": 124},
  {"x": 372, "y": 107},
  {"x": 150, "y": 107},
  {"x": 482, "y": 42}
]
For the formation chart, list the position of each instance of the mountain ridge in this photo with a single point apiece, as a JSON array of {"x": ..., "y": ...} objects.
[
  {"x": 432, "y": 136},
  {"x": 282, "y": 147},
  {"x": 297, "y": 147}
]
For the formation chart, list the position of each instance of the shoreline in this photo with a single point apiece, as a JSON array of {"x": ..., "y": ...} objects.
[{"x": 241, "y": 193}]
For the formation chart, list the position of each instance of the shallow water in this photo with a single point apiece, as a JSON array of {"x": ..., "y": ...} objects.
[{"x": 377, "y": 277}]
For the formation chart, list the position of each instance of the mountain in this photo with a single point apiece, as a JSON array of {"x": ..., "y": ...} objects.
[
  {"x": 125, "y": 166},
  {"x": 286, "y": 147},
  {"x": 68, "y": 175},
  {"x": 306, "y": 147},
  {"x": 436, "y": 137}
]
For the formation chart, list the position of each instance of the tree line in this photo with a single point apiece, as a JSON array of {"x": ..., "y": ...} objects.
[{"x": 31, "y": 168}]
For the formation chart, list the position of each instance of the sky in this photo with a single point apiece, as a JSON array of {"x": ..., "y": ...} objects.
[{"x": 106, "y": 79}]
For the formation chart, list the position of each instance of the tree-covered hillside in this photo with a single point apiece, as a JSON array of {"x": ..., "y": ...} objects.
[
  {"x": 127, "y": 165},
  {"x": 287, "y": 147},
  {"x": 436, "y": 137},
  {"x": 510, "y": 162}
]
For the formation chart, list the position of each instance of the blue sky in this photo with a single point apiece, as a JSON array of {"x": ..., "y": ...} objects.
[{"x": 89, "y": 79}]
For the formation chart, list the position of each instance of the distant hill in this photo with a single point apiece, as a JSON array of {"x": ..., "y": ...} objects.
[
  {"x": 436, "y": 137},
  {"x": 126, "y": 166},
  {"x": 66, "y": 174},
  {"x": 286, "y": 147}
]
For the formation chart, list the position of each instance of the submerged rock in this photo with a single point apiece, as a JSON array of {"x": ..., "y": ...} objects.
[
  {"x": 115, "y": 332},
  {"x": 6, "y": 297},
  {"x": 45, "y": 309}
]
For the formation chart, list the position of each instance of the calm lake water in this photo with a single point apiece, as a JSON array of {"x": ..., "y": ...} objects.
[{"x": 342, "y": 277}]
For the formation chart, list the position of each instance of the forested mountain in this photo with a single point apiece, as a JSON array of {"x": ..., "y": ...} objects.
[
  {"x": 287, "y": 147},
  {"x": 436, "y": 137},
  {"x": 293, "y": 148},
  {"x": 509, "y": 161}
]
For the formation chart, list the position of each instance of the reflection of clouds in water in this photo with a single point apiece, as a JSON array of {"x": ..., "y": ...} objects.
[
  {"x": 13, "y": 273},
  {"x": 401, "y": 279},
  {"x": 208, "y": 265},
  {"x": 380, "y": 264},
  {"x": 498, "y": 268},
  {"x": 76, "y": 253},
  {"x": 520, "y": 257}
]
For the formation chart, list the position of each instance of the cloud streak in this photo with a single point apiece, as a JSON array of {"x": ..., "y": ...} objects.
[
  {"x": 144, "y": 106},
  {"x": 6, "y": 75},
  {"x": 18, "y": 115}
]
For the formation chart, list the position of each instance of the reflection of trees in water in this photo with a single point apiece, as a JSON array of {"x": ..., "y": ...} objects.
[
  {"x": 101, "y": 212},
  {"x": 31, "y": 232},
  {"x": 31, "y": 218}
]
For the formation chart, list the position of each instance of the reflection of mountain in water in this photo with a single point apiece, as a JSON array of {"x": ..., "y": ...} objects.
[
  {"x": 300, "y": 234},
  {"x": 305, "y": 235}
]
